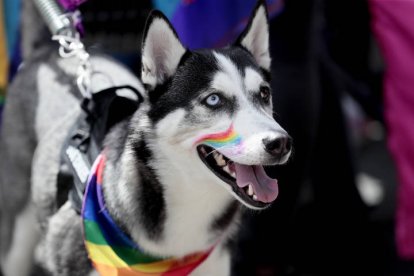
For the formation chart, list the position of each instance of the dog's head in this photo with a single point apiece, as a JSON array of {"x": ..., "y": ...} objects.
[{"x": 215, "y": 106}]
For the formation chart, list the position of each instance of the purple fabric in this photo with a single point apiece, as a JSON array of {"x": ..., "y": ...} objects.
[
  {"x": 214, "y": 23},
  {"x": 393, "y": 25},
  {"x": 71, "y": 5}
]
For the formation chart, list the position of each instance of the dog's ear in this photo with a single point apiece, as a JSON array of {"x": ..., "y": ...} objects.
[
  {"x": 161, "y": 50},
  {"x": 255, "y": 38}
]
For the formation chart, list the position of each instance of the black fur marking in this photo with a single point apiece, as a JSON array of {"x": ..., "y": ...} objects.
[
  {"x": 232, "y": 106},
  {"x": 155, "y": 93},
  {"x": 266, "y": 75},
  {"x": 185, "y": 57},
  {"x": 241, "y": 57},
  {"x": 116, "y": 139},
  {"x": 151, "y": 199},
  {"x": 192, "y": 77},
  {"x": 231, "y": 245},
  {"x": 158, "y": 91},
  {"x": 223, "y": 221},
  {"x": 142, "y": 152},
  {"x": 38, "y": 270}
]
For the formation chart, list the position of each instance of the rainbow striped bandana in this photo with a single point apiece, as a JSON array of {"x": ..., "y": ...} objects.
[{"x": 111, "y": 251}]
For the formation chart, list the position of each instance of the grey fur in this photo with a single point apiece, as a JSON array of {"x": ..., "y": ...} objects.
[{"x": 35, "y": 124}]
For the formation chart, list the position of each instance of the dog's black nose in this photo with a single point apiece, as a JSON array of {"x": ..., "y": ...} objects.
[{"x": 278, "y": 147}]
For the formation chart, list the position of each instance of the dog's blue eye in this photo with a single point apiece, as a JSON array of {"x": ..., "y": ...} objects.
[{"x": 213, "y": 100}]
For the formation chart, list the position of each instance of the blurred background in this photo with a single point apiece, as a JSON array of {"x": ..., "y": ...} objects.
[{"x": 341, "y": 78}]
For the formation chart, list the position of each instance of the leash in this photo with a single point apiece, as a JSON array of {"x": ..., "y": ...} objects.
[
  {"x": 85, "y": 140},
  {"x": 65, "y": 28},
  {"x": 111, "y": 251},
  {"x": 100, "y": 110}
]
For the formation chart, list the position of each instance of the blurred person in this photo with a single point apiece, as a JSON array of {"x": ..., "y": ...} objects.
[
  {"x": 319, "y": 216},
  {"x": 393, "y": 25}
]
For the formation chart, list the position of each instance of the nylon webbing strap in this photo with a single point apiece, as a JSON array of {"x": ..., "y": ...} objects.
[{"x": 85, "y": 139}]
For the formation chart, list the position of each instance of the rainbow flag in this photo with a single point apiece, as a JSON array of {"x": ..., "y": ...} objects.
[{"x": 111, "y": 251}]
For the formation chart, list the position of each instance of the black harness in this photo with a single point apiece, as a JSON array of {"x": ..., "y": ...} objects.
[{"x": 85, "y": 140}]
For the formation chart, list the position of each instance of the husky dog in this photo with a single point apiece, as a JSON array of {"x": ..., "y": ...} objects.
[{"x": 178, "y": 172}]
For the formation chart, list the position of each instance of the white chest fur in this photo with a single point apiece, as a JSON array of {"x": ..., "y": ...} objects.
[{"x": 193, "y": 202}]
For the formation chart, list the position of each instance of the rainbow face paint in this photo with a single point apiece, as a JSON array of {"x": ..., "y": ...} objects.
[{"x": 227, "y": 139}]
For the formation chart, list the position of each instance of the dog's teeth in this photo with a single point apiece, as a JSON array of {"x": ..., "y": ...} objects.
[
  {"x": 233, "y": 173},
  {"x": 254, "y": 197},
  {"x": 250, "y": 190},
  {"x": 226, "y": 169},
  {"x": 219, "y": 159}
]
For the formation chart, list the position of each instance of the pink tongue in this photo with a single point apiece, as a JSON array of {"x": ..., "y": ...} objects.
[{"x": 265, "y": 188}]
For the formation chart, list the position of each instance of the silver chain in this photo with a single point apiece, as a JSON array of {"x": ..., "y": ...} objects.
[{"x": 71, "y": 46}]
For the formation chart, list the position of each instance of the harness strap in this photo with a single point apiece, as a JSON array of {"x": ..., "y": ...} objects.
[{"x": 85, "y": 139}]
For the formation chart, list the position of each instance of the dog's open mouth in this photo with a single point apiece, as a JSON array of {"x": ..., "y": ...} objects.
[{"x": 249, "y": 182}]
